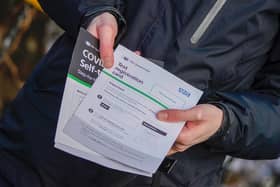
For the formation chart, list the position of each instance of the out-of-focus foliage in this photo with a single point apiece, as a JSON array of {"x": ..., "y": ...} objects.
[
  {"x": 34, "y": 3},
  {"x": 244, "y": 173},
  {"x": 25, "y": 33}
]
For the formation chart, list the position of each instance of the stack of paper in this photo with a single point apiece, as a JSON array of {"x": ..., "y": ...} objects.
[{"x": 112, "y": 122}]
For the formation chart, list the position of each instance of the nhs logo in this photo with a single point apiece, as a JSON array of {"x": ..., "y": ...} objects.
[{"x": 184, "y": 92}]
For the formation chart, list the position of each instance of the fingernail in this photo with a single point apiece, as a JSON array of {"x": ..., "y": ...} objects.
[
  {"x": 108, "y": 62},
  {"x": 162, "y": 116}
]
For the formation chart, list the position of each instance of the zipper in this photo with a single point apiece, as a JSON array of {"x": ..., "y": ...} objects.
[{"x": 207, "y": 21}]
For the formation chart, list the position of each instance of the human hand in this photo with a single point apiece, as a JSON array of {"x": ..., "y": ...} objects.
[
  {"x": 105, "y": 28},
  {"x": 202, "y": 121}
]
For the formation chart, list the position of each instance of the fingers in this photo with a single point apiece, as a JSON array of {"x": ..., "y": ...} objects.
[
  {"x": 177, "y": 148},
  {"x": 138, "y": 53},
  {"x": 193, "y": 114},
  {"x": 107, "y": 38},
  {"x": 201, "y": 122},
  {"x": 187, "y": 138},
  {"x": 105, "y": 28},
  {"x": 193, "y": 133}
]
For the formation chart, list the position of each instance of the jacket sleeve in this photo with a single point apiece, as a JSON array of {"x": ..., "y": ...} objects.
[
  {"x": 251, "y": 126},
  {"x": 70, "y": 15}
]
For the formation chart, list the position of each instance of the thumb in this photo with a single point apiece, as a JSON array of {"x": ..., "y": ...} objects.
[
  {"x": 105, "y": 28},
  {"x": 193, "y": 114},
  {"x": 107, "y": 38}
]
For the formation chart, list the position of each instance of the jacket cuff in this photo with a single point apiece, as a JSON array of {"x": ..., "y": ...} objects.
[
  {"x": 220, "y": 136},
  {"x": 94, "y": 12}
]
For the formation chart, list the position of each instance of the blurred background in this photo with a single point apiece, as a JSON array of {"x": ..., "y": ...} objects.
[{"x": 26, "y": 33}]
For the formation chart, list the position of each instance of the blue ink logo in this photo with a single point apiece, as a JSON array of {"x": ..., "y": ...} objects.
[{"x": 184, "y": 92}]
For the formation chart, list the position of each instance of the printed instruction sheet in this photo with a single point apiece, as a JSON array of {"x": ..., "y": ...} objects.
[
  {"x": 117, "y": 118},
  {"x": 85, "y": 67}
]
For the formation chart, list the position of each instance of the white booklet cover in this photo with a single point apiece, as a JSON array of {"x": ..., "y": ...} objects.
[
  {"x": 117, "y": 119},
  {"x": 84, "y": 69}
]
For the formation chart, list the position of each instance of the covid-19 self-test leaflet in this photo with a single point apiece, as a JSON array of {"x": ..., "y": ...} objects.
[
  {"x": 85, "y": 67},
  {"x": 117, "y": 119}
]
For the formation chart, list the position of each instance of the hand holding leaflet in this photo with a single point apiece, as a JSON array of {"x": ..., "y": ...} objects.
[
  {"x": 117, "y": 119},
  {"x": 84, "y": 69}
]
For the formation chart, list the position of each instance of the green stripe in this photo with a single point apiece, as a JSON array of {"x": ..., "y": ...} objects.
[
  {"x": 135, "y": 89},
  {"x": 79, "y": 80}
]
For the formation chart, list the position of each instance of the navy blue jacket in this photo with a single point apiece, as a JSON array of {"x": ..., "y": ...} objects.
[{"x": 223, "y": 47}]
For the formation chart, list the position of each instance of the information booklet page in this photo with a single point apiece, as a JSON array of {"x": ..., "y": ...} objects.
[
  {"x": 85, "y": 67},
  {"x": 117, "y": 118}
]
